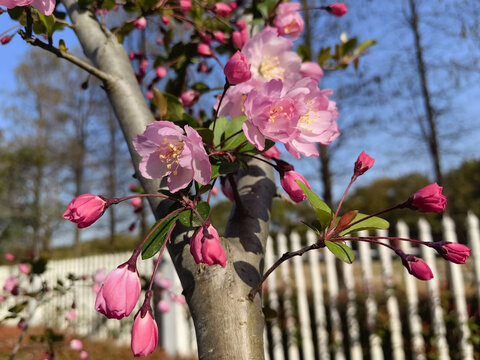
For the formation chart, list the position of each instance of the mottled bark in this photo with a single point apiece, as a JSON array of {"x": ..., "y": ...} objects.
[{"x": 228, "y": 326}]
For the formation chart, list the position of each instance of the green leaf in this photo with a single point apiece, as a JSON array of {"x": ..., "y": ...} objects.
[
  {"x": 364, "y": 46},
  {"x": 304, "y": 52},
  {"x": 314, "y": 227},
  {"x": 373, "y": 223},
  {"x": 49, "y": 22},
  {"x": 349, "y": 45},
  {"x": 324, "y": 56},
  {"x": 18, "y": 308},
  {"x": 234, "y": 126},
  {"x": 228, "y": 167},
  {"x": 155, "y": 241},
  {"x": 206, "y": 134},
  {"x": 199, "y": 86},
  {"x": 190, "y": 219},
  {"x": 341, "y": 251},
  {"x": 39, "y": 266},
  {"x": 221, "y": 124},
  {"x": 16, "y": 13},
  {"x": 174, "y": 108},
  {"x": 323, "y": 211}
]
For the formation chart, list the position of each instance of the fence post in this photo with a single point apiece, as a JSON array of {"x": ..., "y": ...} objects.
[
  {"x": 473, "y": 232},
  {"x": 459, "y": 293},
  {"x": 370, "y": 304},
  {"x": 433, "y": 293},
  {"x": 414, "y": 321},
  {"x": 318, "y": 301},
  {"x": 392, "y": 303}
]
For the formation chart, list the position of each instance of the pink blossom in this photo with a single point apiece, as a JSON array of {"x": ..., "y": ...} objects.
[
  {"x": 222, "y": 9},
  {"x": 96, "y": 288},
  {"x": 454, "y": 252},
  {"x": 206, "y": 248},
  {"x": 131, "y": 55},
  {"x": 136, "y": 202},
  {"x": 311, "y": 70},
  {"x": 44, "y": 7},
  {"x": 71, "y": 315},
  {"x": 237, "y": 70},
  {"x": 202, "y": 67},
  {"x": 163, "y": 306},
  {"x": 140, "y": 23},
  {"x": 239, "y": 39},
  {"x": 363, "y": 163},
  {"x": 142, "y": 68},
  {"x": 219, "y": 36},
  {"x": 24, "y": 268},
  {"x": 288, "y": 180},
  {"x": 85, "y": 209},
  {"x": 234, "y": 99},
  {"x": 214, "y": 190},
  {"x": 272, "y": 153},
  {"x": 119, "y": 293},
  {"x": 271, "y": 58},
  {"x": 337, "y": 9},
  {"x": 144, "y": 334},
  {"x": 84, "y": 355},
  {"x": 165, "y": 20},
  {"x": 227, "y": 189},
  {"x": 415, "y": 266},
  {"x": 288, "y": 21},
  {"x": 185, "y": 5},
  {"x": 166, "y": 151},
  {"x": 76, "y": 344},
  {"x": 149, "y": 95},
  {"x": 9, "y": 257},
  {"x": 179, "y": 299},
  {"x": 189, "y": 97},
  {"x": 163, "y": 283},
  {"x": 428, "y": 199},
  {"x": 233, "y": 5},
  {"x": 100, "y": 276},
  {"x": 10, "y": 284},
  {"x": 161, "y": 72},
  {"x": 204, "y": 50},
  {"x": 159, "y": 40}
]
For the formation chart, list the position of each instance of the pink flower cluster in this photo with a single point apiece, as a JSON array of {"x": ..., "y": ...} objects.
[{"x": 44, "y": 7}]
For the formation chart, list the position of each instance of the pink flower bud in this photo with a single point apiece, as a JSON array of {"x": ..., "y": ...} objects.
[
  {"x": 272, "y": 153},
  {"x": 214, "y": 190},
  {"x": 142, "y": 68},
  {"x": 24, "y": 268},
  {"x": 163, "y": 306},
  {"x": 140, "y": 23},
  {"x": 363, "y": 163},
  {"x": 85, "y": 210},
  {"x": 337, "y": 9},
  {"x": 416, "y": 266},
  {"x": 119, "y": 293},
  {"x": 454, "y": 252},
  {"x": 159, "y": 40},
  {"x": 222, "y": 9},
  {"x": 206, "y": 248},
  {"x": 311, "y": 70},
  {"x": 10, "y": 284},
  {"x": 144, "y": 334},
  {"x": 179, "y": 299},
  {"x": 233, "y": 5},
  {"x": 71, "y": 315},
  {"x": 188, "y": 98},
  {"x": 237, "y": 69},
  {"x": 241, "y": 24},
  {"x": 202, "y": 67},
  {"x": 131, "y": 55},
  {"x": 6, "y": 39},
  {"x": 149, "y": 95},
  {"x": 163, "y": 283},
  {"x": 428, "y": 199},
  {"x": 161, "y": 72},
  {"x": 239, "y": 38},
  {"x": 165, "y": 20},
  {"x": 227, "y": 189},
  {"x": 9, "y": 257},
  {"x": 185, "y": 5},
  {"x": 219, "y": 36},
  {"x": 136, "y": 202},
  {"x": 288, "y": 180},
  {"x": 204, "y": 50},
  {"x": 84, "y": 355},
  {"x": 76, "y": 344}
]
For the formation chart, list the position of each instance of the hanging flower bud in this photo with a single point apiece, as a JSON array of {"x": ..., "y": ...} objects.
[
  {"x": 219, "y": 36},
  {"x": 288, "y": 180},
  {"x": 204, "y": 50},
  {"x": 206, "y": 248},
  {"x": 337, "y": 9},
  {"x": 140, "y": 23},
  {"x": 85, "y": 210},
  {"x": 144, "y": 332},
  {"x": 428, "y": 199},
  {"x": 239, "y": 38},
  {"x": 189, "y": 97},
  {"x": 222, "y": 9},
  {"x": 9, "y": 257},
  {"x": 415, "y": 266},
  {"x": 363, "y": 163},
  {"x": 119, "y": 293},
  {"x": 161, "y": 72},
  {"x": 6, "y": 39},
  {"x": 237, "y": 69},
  {"x": 454, "y": 252},
  {"x": 165, "y": 20},
  {"x": 163, "y": 306},
  {"x": 272, "y": 153},
  {"x": 185, "y": 5}
]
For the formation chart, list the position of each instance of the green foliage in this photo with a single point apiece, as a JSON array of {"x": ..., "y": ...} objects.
[
  {"x": 345, "y": 53},
  {"x": 323, "y": 211},
  {"x": 190, "y": 219},
  {"x": 341, "y": 251},
  {"x": 373, "y": 223},
  {"x": 155, "y": 241}
]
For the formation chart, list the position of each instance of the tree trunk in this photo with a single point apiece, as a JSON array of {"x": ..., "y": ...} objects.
[
  {"x": 431, "y": 136},
  {"x": 112, "y": 184},
  {"x": 228, "y": 325}
]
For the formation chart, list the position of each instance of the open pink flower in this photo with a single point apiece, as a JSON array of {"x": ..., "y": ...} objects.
[
  {"x": 44, "y": 7},
  {"x": 288, "y": 21},
  {"x": 85, "y": 210},
  {"x": 144, "y": 333},
  {"x": 429, "y": 199},
  {"x": 119, "y": 293},
  {"x": 166, "y": 151},
  {"x": 206, "y": 248}
]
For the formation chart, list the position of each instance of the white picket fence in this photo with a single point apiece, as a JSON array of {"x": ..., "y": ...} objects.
[{"x": 325, "y": 309}]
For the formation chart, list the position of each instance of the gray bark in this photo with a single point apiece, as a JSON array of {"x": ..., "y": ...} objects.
[{"x": 228, "y": 325}]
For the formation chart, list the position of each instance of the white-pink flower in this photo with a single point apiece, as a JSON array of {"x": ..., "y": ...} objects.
[
  {"x": 167, "y": 151},
  {"x": 288, "y": 21},
  {"x": 44, "y": 7}
]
